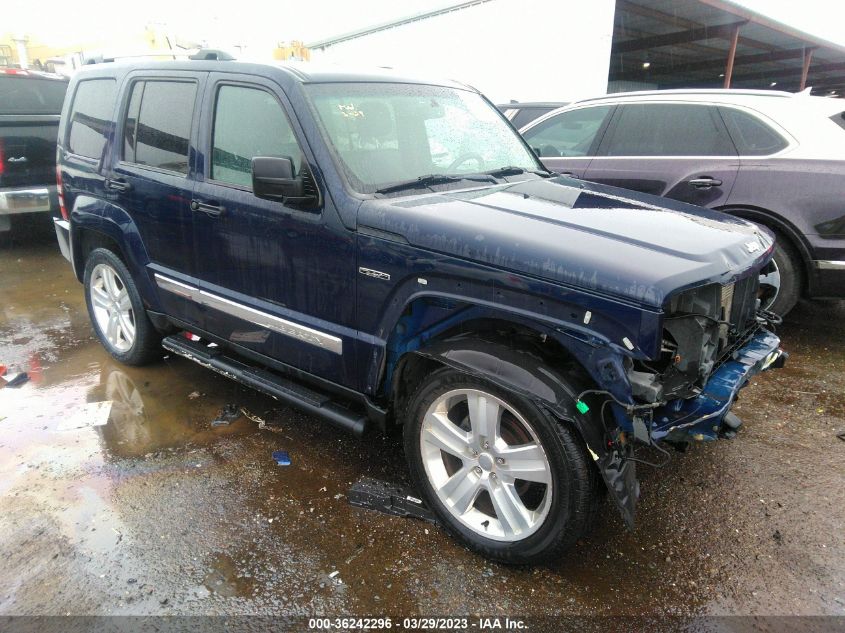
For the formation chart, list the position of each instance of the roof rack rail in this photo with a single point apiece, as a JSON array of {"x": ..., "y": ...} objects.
[{"x": 202, "y": 54}]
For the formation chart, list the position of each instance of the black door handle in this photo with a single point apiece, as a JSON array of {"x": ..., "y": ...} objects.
[
  {"x": 118, "y": 184},
  {"x": 705, "y": 182},
  {"x": 208, "y": 208}
]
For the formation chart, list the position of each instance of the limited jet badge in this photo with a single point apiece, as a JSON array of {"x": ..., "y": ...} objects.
[{"x": 377, "y": 274}]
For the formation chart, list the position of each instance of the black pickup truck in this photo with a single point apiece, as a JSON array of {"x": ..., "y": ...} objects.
[{"x": 30, "y": 105}]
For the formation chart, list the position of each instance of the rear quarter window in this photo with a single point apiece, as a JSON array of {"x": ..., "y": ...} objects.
[
  {"x": 90, "y": 117},
  {"x": 839, "y": 119},
  {"x": 751, "y": 135},
  {"x": 28, "y": 95}
]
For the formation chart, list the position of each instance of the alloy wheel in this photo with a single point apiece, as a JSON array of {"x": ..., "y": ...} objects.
[
  {"x": 769, "y": 284},
  {"x": 112, "y": 307},
  {"x": 486, "y": 464}
]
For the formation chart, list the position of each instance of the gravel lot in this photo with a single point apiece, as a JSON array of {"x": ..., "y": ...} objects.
[{"x": 158, "y": 512}]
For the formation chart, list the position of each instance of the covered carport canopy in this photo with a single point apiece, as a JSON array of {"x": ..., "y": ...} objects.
[{"x": 715, "y": 43}]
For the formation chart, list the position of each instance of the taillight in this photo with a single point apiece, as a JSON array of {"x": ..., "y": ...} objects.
[
  {"x": 2, "y": 158},
  {"x": 61, "y": 193}
]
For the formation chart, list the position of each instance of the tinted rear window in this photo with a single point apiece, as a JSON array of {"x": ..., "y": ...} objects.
[
  {"x": 752, "y": 136},
  {"x": 90, "y": 117},
  {"x": 158, "y": 125},
  {"x": 27, "y": 95},
  {"x": 669, "y": 129}
]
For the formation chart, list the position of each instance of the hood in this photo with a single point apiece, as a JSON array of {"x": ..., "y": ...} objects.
[{"x": 604, "y": 239}]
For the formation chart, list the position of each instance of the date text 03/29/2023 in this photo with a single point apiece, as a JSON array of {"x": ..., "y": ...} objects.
[{"x": 427, "y": 624}]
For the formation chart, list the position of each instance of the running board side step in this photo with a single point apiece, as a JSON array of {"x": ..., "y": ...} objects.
[{"x": 282, "y": 389}]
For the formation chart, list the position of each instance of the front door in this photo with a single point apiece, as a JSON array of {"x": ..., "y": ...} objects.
[
  {"x": 680, "y": 151},
  {"x": 566, "y": 142},
  {"x": 276, "y": 279}
]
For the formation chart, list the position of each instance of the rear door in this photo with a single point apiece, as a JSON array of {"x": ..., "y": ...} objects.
[
  {"x": 277, "y": 279},
  {"x": 678, "y": 150},
  {"x": 153, "y": 179},
  {"x": 567, "y": 142}
]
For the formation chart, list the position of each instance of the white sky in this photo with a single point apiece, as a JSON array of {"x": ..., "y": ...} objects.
[{"x": 263, "y": 23}]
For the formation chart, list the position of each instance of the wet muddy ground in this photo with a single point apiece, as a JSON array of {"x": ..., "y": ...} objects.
[{"x": 159, "y": 512}]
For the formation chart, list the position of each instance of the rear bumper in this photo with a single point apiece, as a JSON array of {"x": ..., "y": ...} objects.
[
  {"x": 701, "y": 418},
  {"x": 28, "y": 200}
]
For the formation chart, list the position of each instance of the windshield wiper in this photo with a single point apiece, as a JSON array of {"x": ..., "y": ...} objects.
[
  {"x": 433, "y": 179},
  {"x": 512, "y": 170}
]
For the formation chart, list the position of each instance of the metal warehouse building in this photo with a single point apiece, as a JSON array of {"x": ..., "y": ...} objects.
[{"x": 564, "y": 50}]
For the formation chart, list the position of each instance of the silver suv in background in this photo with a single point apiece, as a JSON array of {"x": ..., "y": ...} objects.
[{"x": 776, "y": 158}]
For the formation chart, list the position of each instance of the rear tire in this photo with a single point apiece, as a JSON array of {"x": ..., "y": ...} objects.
[
  {"x": 117, "y": 312},
  {"x": 488, "y": 486}
]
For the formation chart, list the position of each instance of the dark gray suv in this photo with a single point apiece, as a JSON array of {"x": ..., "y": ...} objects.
[{"x": 776, "y": 158}]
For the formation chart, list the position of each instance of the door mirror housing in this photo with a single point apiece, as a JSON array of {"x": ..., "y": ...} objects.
[{"x": 273, "y": 178}]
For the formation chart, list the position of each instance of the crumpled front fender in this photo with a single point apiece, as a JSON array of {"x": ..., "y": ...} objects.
[{"x": 530, "y": 375}]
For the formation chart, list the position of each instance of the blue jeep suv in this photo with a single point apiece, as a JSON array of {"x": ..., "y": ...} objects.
[{"x": 380, "y": 250}]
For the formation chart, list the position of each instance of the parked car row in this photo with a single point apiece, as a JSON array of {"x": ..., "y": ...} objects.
[
  {"x": 383, "y": 251},
  {"x": 775, "y": 158}
]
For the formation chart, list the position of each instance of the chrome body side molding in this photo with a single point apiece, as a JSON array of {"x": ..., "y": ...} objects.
[{"x": 258, "y": 317}]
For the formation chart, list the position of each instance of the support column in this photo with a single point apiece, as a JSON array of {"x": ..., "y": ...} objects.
[
  {"x": 729, "y": 67},
  {"x": 805, "y": 70}
]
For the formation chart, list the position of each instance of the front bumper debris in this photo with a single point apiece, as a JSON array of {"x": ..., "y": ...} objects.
[{"x": 701, "y": 418}]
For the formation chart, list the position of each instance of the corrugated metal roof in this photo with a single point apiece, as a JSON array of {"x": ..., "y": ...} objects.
[{"x": 685, "y": 43}]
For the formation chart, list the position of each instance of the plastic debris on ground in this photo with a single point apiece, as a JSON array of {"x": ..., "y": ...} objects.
[
  {"x": 17, "y": 380},
  {"x": 229, "y": 414},
  {"x": 281, "y": 458},
  {"x": 88, "y": 415},
  {"x": 388, "y": 498},
  {"x": 194, "y": 395},
  {"x": 253, "y": 417}
]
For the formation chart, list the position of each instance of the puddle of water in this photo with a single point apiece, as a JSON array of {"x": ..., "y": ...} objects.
[{"x": 157, "y": 511}]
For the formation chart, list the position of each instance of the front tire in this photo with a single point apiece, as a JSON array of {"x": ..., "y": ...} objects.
[
  {"x": 117, "y": 312},
  {"x": 504, "y": 476},
  {"x": 781, "y": 279}
]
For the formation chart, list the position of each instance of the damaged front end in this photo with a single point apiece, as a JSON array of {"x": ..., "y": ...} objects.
[{"x": 715, "y": 339}]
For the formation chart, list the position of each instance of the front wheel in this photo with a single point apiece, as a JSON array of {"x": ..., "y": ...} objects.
[
  {"x": 781, "y": 280},
  {"x": 503, "y": 475},
  {"x": 117, "y": 312}
]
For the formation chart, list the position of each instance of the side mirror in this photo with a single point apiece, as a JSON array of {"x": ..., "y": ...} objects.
[{"x": 273, "y": 179}]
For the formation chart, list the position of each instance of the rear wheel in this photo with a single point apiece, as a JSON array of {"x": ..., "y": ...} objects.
[
  {"x": 117, "y": 312},
  {"x": 504, "y": 476}
]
